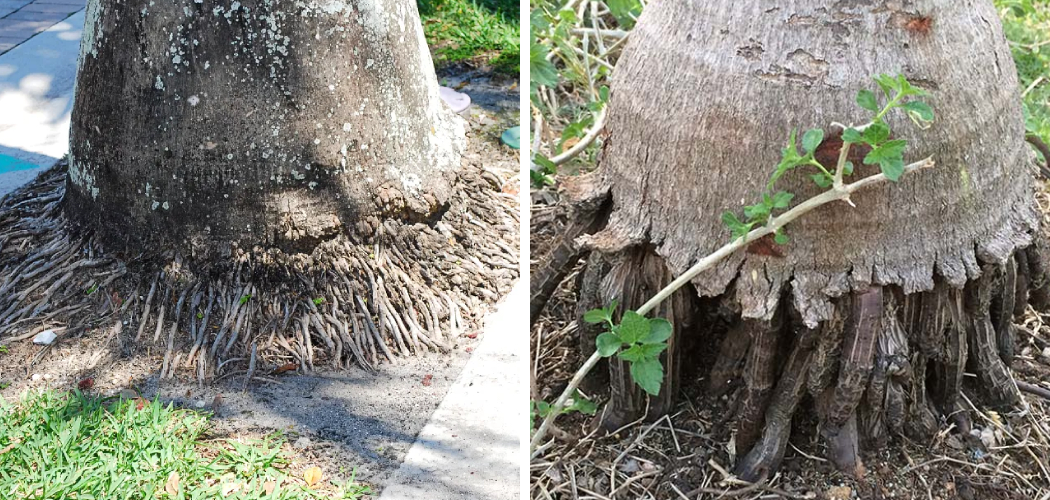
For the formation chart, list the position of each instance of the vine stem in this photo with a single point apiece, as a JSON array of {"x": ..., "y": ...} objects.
[
  {"x": 835, "y": 193},
  {"x": 592, "y": 134}
]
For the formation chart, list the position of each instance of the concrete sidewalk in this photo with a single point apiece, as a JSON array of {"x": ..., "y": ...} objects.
[
  {"x": 36, "y": 96},
  {"x": 20, "y": 20},
  {"x": 470, "y": 448}
]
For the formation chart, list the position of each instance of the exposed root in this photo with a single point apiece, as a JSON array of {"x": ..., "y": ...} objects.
[
  {"x": 585, "y": 209},
  {"x": 401, "y": 294},
  {"x": 885, "y": 364},
  {"x": 634, "y": 278}
]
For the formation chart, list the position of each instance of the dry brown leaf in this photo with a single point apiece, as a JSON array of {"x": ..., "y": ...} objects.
[
  {"x": 14, "y": 442},
  {"x": 269, "y": 486},
  {"x": 287, "y": 367},
  {"x": 230, "y": 488},
  {"x": 171, "y": 486},
  {"x": 312, "y": 475}
]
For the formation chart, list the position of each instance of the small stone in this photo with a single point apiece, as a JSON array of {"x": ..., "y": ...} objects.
[
  {"x": 37, "y": 377},
  {"x": 200, "y": 404},
  {"x": 302, "y": 443},
  {"x": 988, "y": 437},
  {"x": 45, "y": 337},
  {"x": 47, "y": 376},
  {"x": 839, "y": 493}
]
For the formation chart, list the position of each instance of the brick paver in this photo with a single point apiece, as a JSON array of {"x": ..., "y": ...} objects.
[{"x": 20, "y": 20}]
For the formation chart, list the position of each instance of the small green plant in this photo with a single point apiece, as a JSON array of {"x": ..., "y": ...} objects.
[
  {"x": 885, "y": 152},
  {"x": 91, "y": 290},
  {"x": 245, "y": 299},
  {"x": 540, "y": 409},
  {"x": 542, "y": 172},
  {"x": 637, "y": 340},
  {"x": 459, "y": 30},
  {"x": 318, "y": 301}
]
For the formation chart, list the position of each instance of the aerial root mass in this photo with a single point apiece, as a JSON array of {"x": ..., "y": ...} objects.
[
  {"x": 884, "y": 364},
  {"x": 413, "y": 288}
]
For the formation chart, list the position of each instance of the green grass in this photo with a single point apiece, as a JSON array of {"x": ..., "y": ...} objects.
[
  {"x": 68, "y": 445},
  {"x": 485, "y": 30},
  {"x": 1027, "y": 27}
]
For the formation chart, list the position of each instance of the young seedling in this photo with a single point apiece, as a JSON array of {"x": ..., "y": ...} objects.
[
  {"x": 637, "y": 340},
  {"x": 640, "y": 340}
]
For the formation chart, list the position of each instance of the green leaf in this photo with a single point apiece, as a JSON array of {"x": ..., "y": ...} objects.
[
  {"x": 820, "y": 179},
  {"x": 876, "y": 133},
  {"x": 811, "y": 139},
  {"x": 888, "y": 84},
  {"x": 847, "y": 169},
  {"x": 731, "y": 221},
  {"x": 546, "y": 166},
  {"x": 581, "y": 404},
  {"x": 852, "y": 135},
  {"x": 789, "y": 159},
  {"x": 782, "y": 199},
  {"x": 659, "y": 331},
  {"x": 567, "y": 15},
  {"x": 624, "y": 11},
  {"x": 891, "y": 149},
  {"x": 649, "y": 375},
  {"x": 893, "y": 168},
  {"x": 245, "y": 299},
  {"x": 318, "y": 301},
  {"x": 920, "y": 109},
  {"x": 866, "y": 99},
  {"x": 596, "y": 316},
  {"x": 642, "y": 352},
  {"x": 889, "y": 158},
  {"x": 603, "y": 93},
  {"x": 608, "y": 344},
  {"x": 633, "y": 327},
  {"x": 540, "y": 179},
  {"x": 543, "y": 408},
  {"x": 759, "y": 211},
  {"x": 542, "y": 72},
  {"x": 781, "y": 239},
  {"x": 905, "y": 87}
]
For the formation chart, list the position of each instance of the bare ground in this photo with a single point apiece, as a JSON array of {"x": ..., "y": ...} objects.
[
  {"x": 340, "y": 420},
  {"x": 687, "y": 455}
]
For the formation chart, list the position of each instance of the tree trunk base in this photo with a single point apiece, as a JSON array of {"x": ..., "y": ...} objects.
[
  {"x": 885, "y": 364},
  {"x": 413, "y": 288}
]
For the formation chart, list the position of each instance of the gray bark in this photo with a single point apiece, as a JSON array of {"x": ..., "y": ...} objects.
[
  {"x": 704, "y": 98},
  {"x": 207, "y": 127}
]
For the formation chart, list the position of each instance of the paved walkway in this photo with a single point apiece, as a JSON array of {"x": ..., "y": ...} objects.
[
  {"x": 20, "y": 20},
  {"x": 470, "y": 449},
  {"x": 36, "y": 96}
]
